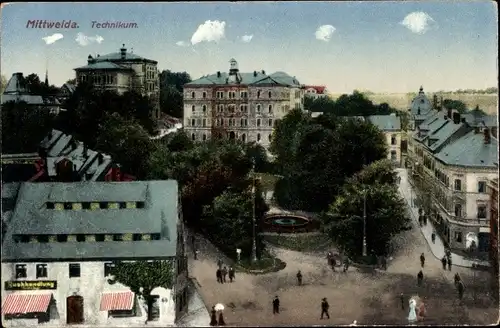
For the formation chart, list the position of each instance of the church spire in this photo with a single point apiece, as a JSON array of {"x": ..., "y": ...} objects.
[{"x": 47, "y": 77}]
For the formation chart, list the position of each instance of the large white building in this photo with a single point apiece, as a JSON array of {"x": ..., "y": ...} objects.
[
  {"x": 236, "y": 105},
  {"x": 390, "y": 125},
  {"x": 64, "y": 239},
  {"x": 123, "y": 71}
]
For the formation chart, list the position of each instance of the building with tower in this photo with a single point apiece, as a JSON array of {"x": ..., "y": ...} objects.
[
  {"x": 237, "y": 105},
  {"x": 121, "y": 72}
]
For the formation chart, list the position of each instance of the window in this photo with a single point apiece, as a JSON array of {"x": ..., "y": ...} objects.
[
  {"x": 193, "y": 108},
  {"x": 62, "y": 238},
  {"x": 458, "y": 185},
  {"x": 258, "y": 136},
  {"x": 74, "y": 270},
  {"x": 204, "y": 122},
  {"x": 258, "y": 108},
  {"x": 230, "y": 122},
  {"x": 43, "y": 238},
  {"x": 68, "y": 206},
  {"x": 21, "y": 271},
  {"x": 458, "y": 210},
  {"x": 394, "y": 155},
  {"x": 393, "y": 139},
  {"x": 481, "y": 186},
  {"x": 140, "y": 204},
  {"x": 41, "y": 271},
  {"x": 243, "y": 137},
  {"x": 100, "y": 237},
  {"x": 117, "y": 237},
  {"x": 246, "y": 122},
  {"x": 155, "y": 236},
  {"x": 258, "y": 94},
  {"x": 258, "y": 122},
  {"x": 481, "y": 211},
  {"x": 241, "y": 122},
  {"x": 80, "y": 238},
  {"x": 122, "y": 205},
  {"x": 270, "y": 109},
  {"x": 243, "y": 94},
  {"x": 192, "y": 94},
  {"x": 458, "y": 236},
  {"x": 204, "y": 137},
  {"x": 50, "y": 206},
  {"x": 204, "y": 94},
  {"x": 204, "y": 108},
  {"x": 270, "y": 122},
  {"x": 269, "y": 137},
  {"x": 269, "y": 93},
  {"x": 103, "y": 205}
]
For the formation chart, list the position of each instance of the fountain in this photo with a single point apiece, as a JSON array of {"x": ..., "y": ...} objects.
[{"x": 286, "y": 223}]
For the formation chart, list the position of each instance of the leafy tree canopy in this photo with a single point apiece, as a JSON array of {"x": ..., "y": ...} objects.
[
  {"x": 171, "y": 92},
  {"x": 458, "y": 105},
  {"x": 35, "y": 86},
  {"x": 23, "y": 127}
]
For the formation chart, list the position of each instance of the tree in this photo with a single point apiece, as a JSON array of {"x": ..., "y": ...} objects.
[
  {"x": 171, "y": 92},
  {"x": 386, "y": 214},
  {"x": 257, "y": 154},
  {"x": 458, "y": 105},
  {"x": 378, "y": 172},
  {"x": 3, "y": 84},
  {"x": 321, "y": 104},
  {"x": 71, "y": 81},
  {"x": 477, "y": 111},
  {"x": 23, "y": 127},
  {"x": 142, "y": 277},
  {"x": 126, "y": 141}
]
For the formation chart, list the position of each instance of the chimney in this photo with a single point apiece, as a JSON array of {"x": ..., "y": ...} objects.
[
  {"x": 218, "y": 74},
  {"x": 123, "y": 51},
  {"x": 456, "y": 118},
  {"x": 450, "y": 111},
  {"x": 254, "y": 73},
  {"x": 90, "y": 60},
  {"x": 487, "y": 136},
  {"x": 263, "y": 72}
]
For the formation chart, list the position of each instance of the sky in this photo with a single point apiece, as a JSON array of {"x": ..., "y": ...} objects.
[{"x": 378, "y": 46}]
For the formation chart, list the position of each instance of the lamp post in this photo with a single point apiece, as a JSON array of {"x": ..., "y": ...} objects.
[
  {"x": 364, "y": 222},
  {"x": 254, "y": 242}
]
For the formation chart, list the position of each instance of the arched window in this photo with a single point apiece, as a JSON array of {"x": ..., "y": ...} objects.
[
  {"x": 193, "y": 108},
  {"x": 243, "y": 137},
  {"x": 258, "y": 137},
  {"x": 258, "y": 94},
  {"x": 204, "y": 108},
  {"x": 193, "y": 136},
  {"x": 258, "y": 108},
  {"x": 270, "y": 137},
  {"x": 192, "y": 95},
  {"x": 241, "y": 122},
  {"x": 270, "y": 109},
  {"x": 258, "y": 122},
  {"x": 204, "y": 95},
  {"x": 269, "y": 93}
]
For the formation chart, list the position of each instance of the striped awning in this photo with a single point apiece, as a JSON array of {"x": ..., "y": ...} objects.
[
  {"x": 117, "y": 301},
  {"x": 26, "y": 303}
]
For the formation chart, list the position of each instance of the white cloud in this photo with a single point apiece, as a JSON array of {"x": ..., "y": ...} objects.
[
  {"x": 246, "y": 38},
  {"x": 85, "y": 40},
  {"x": 324, "y": 32},
  {"x": 52, "y": 38},
  {"x": 209, "y": 31},
  {"x": 182, "y": 43},
  {"x": 418, "y": 22}
]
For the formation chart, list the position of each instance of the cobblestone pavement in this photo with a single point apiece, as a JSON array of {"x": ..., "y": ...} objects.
[{"x": 369, "y": 297}]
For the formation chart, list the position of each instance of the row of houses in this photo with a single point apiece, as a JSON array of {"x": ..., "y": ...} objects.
[{"x": 452, "y": 158}]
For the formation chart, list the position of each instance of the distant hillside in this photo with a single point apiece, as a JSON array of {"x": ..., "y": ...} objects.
[{"x": 401, "y": 101}]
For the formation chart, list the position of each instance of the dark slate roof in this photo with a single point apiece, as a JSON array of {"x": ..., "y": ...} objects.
[
  {"x": 386, "y": 122},
  {"x": 442, "y": 134},
  {"x": 470, "y": 151},
  {"x": 103, "y": 65},
  {"x": 31, "y": 217},
  {"x": 278, "y": 78},
  {"x": 420, "y": 101},
  {"x": 10, "y": 190},
  {"x": 117, "y": 56},
  {"x": 478, "y": 120},
  {"x": 14, "y": 85},
  {"x": 15, "y": 91},
  {"x": 70, "y": 87}
]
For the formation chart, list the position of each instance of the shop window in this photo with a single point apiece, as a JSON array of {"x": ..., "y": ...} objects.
[
  {"x": 131, "y": 205},
  {"x": 74, "y": 270},
  {"x": 76, "y": 206},
  {"x": 458, "y": 236},
  {"x": 94, "y": 206},
  {"x": 41, "y": 271},
  {"x": 21, "y": 271},
  {"x": 58, "y": 206}
]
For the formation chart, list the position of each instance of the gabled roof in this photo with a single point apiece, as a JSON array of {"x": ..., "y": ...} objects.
[
  {"x": 442, "y": 134},
  {"x": 280, "y": 78},
  {"x": 320, "y": 89},
  {"x": 117, "y": 56},
  {"x": 32, "y": 217},
  {"x": 477, "y": 119},
  {"x": 386, "y": 122},
  {"x": 15, "y": 85},
  {"x": 470, "y": 151},
  {"x": 106, "y": 65}
]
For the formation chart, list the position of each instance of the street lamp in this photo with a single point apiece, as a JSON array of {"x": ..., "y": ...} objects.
[{"x": 364, "y": 222}]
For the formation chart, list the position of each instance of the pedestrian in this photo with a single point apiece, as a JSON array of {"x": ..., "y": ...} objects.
[
  {"x": 195, "y": 253},
  {"x": 329, "y": 258},
  {"x": 334, "y": 263},
  {"x": 346, "y": 264},
  {"x": 422, "y": 260},
  {"x": 457, "y": 279},
  {"x": 276, "y": 305},
  {"x": 213, "y": 317},
  {"x": 324, "y": 309},
  {"x": 220, "y": 263},
  {"x": 420, "y": 278},
  {"x": 224, "y": 274},
  {"x": 443, "y": 262},
  {"x": 425, "y": 219},
  {"x": 460, "y": 288},
  {"x": 231, "y": 274},
  {"x": 448, "y": 252},
  {"x": 384, "y": 263},
  {"x": 299, "y": 278},
  {"x": 449, "y": 263},
  {"x": 433, "y": 237},
  {"x": 219, "y": 276},
  {"x": 221, "y": 319},
  {"x": 402, "y": 299}
]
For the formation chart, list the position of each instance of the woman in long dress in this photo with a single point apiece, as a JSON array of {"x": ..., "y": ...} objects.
[
  {"x": 213, "y": 317},
  {"x": 412, "y": 316}
]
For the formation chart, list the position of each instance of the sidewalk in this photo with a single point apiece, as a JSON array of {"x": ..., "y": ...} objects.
[{"x": 437, "y": 247}]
